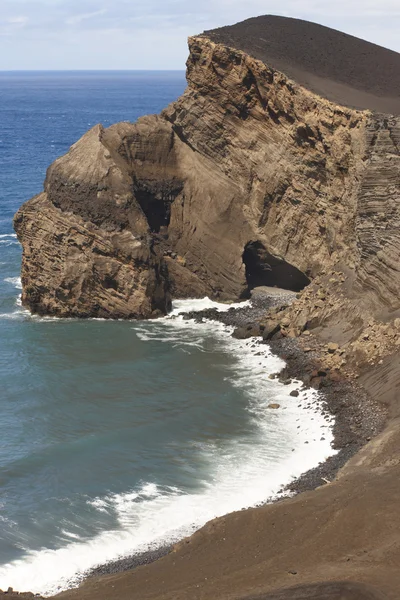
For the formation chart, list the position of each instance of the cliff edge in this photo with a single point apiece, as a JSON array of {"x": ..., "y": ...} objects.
[
  {"x": 278, "y": 166},
  {"x": 334, "y": 65},
  {"x": 248, "y": 179}
]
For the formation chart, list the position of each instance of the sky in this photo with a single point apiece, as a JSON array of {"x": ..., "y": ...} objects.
[{"x": 152, "y": 34}]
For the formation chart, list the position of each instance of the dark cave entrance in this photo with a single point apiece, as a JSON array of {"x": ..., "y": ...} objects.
[
  {"x": 262, "y": 268},
  {"x": 158, "y": 212},
  {"x": 155, "y": 197}
]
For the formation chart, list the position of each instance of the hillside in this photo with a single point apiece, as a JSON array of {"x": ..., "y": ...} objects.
[
  {"x": 272, "y": 169},
  {"x": 337, "y": 66}
]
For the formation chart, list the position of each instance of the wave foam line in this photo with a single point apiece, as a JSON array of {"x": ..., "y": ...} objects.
[
  {"x": 15, "y": 281},
  {"x": 9, "y": 243},
  {"x": 191, "y": 305},
  {"x": 20, "y": 313},
  {"x": 178, "y": 307},
  {"x": 242, "y": 473}
]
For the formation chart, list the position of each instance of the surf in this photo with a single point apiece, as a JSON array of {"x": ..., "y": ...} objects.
[{"x": 237, "y": 473}]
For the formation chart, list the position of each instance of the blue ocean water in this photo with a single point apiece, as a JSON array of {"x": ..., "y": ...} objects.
[{"x": 120, "y": 436}]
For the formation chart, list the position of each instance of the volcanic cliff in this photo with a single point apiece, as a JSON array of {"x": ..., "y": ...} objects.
[
  {"x": 250, "y": 178},
  {"x": 278, "y": 166}
]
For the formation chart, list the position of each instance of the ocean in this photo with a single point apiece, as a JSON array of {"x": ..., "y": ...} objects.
[{"x": 119, "y": 437}]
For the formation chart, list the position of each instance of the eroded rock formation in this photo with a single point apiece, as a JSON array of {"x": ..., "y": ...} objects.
[
  {"x": 247, "y": 179},
  {"x": 87, "y": 248}
]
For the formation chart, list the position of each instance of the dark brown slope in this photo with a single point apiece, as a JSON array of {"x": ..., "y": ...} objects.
[{"x": 337, "y": 66}]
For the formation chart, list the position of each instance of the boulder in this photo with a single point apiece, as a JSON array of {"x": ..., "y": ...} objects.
[
  {"x": 332, "y": 347},
  {"x": 271, "y": 328}
]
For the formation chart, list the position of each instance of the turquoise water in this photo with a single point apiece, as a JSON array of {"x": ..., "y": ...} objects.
[{"x": 120, "y": 436}]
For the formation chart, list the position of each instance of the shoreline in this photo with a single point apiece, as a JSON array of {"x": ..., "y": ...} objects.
[{"x": 357, "y": 419}]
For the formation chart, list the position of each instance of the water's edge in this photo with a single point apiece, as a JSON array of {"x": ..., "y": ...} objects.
[
  {"x": 343, "y": 400},
  {"x": 250, "y": 350}
]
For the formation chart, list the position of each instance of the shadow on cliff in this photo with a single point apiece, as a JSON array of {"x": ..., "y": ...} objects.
[{"x": 264, "y": 269}]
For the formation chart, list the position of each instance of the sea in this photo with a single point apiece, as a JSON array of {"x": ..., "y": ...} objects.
[{"x": 120, "y": 437}]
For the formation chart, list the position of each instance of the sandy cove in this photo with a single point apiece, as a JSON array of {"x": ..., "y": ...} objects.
[
  {"x": 344, "y": 531},
  {"x": 274, "y": 168},
  {"x": 342, "y": 538}
]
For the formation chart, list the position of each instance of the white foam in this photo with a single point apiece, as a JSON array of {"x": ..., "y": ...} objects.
[
  {"x": 23, "y": 314},
  {"x": 242, "y": 473},
  {"x": 15, "y": 281},
  {"x": 9, "y": 239},
  {"x": 185, "y": 306},
  {"x": 17, "y": 315},
  {"x": 69, "y": 534},
  {"x": 99, "y": 503},
  {"x": 8, "y": 242},
  {"x": 20, "y": 313},
  {"x": 178, "y": 307}
]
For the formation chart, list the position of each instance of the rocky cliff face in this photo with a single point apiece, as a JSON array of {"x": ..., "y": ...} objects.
[
  {"x": 360, "y": 300},
  {"x": 87, "y": 249},
  {"x": 248, "y": 179},
  {"x": 277, "y": 169}
]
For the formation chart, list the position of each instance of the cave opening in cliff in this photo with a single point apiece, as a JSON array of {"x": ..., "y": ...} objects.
[
  {"x": 158, "y": 212},
  {"x": 156, "y": 197},
  {"x": 264, "y": 269}
]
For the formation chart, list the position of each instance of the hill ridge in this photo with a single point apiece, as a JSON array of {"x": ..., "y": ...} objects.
[{"x": 335, "y": 65}]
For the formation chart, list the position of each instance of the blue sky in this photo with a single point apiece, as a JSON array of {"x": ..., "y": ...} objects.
[{"x": 152, "y": 34}]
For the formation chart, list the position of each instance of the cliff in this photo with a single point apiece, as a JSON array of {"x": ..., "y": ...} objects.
[
  {"x": 279, "y": 166},
  {"x": 248, "y": 179}
]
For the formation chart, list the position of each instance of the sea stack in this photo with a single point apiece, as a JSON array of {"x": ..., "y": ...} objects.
[{"x": 276, "y": 166}]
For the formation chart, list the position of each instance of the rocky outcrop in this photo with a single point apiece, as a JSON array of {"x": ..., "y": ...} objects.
[
  {"x": 257, "y": 176},
  {"x": 87, "y": 249},
  {"x": 356, "y": 305},
  {"x": 378, "y": 220},
  {"x": 248, "y": 179},
  {"x": 277, "y": 168}
]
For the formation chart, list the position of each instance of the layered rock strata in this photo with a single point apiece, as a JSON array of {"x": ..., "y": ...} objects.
[
  {"x": 252, "y": 178},
  {"x": 247, "y": 179},
  {"x": 356, "y": 306},
  {"x": 87, "y": 249}
]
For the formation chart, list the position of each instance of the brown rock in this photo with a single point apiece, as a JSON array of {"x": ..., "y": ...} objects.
[
  {"x": 316, "y": 383},
  {"x": 285, "y": 322},
  {"x": 248, "y": 179},
  {"x": 271, "y": 327},
  {"x": 183, "y": 283},
  {"x": 86, "y": 250},
  {"x": 332, "y": 347},
  {"x": 242, "y": 333},
  {"x": 185, "y": 175}
]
